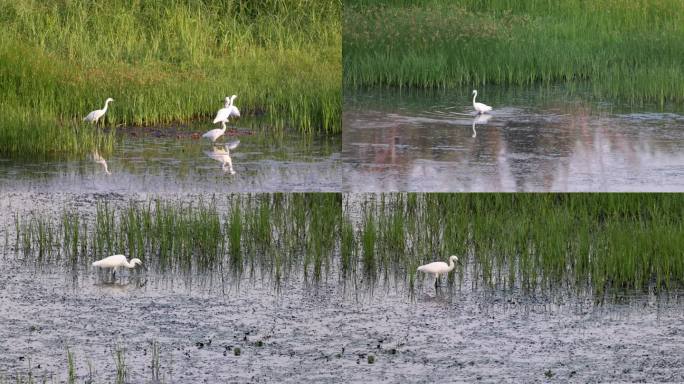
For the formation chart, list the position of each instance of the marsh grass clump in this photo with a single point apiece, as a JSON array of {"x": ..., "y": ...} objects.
[
  {"x": 271, "y": 233},
  {"x": 626, "y": 49},
  {"x": 163, "y": 62},
  {"x": 586, "y": 243}
]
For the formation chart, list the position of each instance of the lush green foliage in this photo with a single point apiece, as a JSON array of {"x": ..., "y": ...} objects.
[
  {"x": 629, "y": 49},
  {"x": 590, "y": 242},
  {"x": 165, "y": 61},
  {"x": 272, "y": 232}
]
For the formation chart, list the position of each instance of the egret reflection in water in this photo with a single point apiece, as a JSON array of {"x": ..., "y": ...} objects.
[
  {"x": 100, "y": 160},
  {"x": 222, "y": 155},
  {"x": 480, "y": 119}
]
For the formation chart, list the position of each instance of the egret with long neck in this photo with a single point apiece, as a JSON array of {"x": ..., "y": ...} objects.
[
  {"x": 117, "y": 261},
  {"x": 479, "y": 107},
  {"x": 439, "y": 267},
  {"x": 95, "y": 115}
]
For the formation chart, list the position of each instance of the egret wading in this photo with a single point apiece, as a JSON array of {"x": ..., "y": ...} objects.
[
  {"x": 95, "y": 115},
  {"x": 479, "y": 107},
  {"x": 117, "y": 261},
  {"x": 439, "y": 267}
]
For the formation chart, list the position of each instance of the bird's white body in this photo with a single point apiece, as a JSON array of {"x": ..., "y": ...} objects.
[
  {"x": 95, "y": 115},
  {"x": 117, "y": 261},
  {"x": 479, "y": 107},
  {"x": 223, "y": 156},
  {"x": 100, "y": 160},
  {"x": 215, "y": 133},
  {"x": 228, "y": 111},
  {"x": 439, "y": 267},
  {"x": 232, "y": 109}
]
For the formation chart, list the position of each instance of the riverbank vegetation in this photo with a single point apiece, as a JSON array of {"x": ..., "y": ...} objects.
[
  {"x": 162, "y": 62},
  {"x": 625, "y": 49}
]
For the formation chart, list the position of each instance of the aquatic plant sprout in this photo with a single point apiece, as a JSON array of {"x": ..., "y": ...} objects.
[{"x": 597, "y": 244}]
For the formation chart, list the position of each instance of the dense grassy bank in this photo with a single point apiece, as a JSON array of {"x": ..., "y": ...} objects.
[
  {"x": 593, "y": 243},
  {"x": 627, "y": 49},
  {"x": 165, "y": 61}
]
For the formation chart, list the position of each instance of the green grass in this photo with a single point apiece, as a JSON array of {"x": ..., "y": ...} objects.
[
  {"x": 243, "y": 233},
  {"x": 594, "y": 244},
  {"x": 166, "y": 61},
  {"x": 589, "y": 243},
  {"x": 625, "y": 49}
]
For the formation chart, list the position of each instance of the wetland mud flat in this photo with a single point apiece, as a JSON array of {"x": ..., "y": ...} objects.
[{"x": 240, "y": 318}]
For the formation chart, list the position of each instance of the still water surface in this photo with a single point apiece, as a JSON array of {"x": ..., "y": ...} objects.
[{"x": 535, "y": 140}]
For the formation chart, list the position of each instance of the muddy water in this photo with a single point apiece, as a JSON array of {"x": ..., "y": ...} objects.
[
  {"x": 325, "y": 332},
  {"x": 535, "y": 140},
  {"x": 169, "y": 164},
  {"x": 305, "y": 333}
]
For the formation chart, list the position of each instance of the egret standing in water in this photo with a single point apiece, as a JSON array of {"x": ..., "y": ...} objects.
[
  {"x": 439, "y": 267},
  {"x": 479, "y": 107},
  {"x": 95, "y": 115},
  {"x": 218, "y": 132},
  {"x": 232, "y": 109},
  {"x": 117, "y": 261}
]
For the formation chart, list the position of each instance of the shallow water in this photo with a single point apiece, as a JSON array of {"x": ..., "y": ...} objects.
[
  {"x": 303, "y": 332},
  {"x": 535, "y": 140},
  {"x": 320, "y": 333},
  {"x": 169, "y": 164}
]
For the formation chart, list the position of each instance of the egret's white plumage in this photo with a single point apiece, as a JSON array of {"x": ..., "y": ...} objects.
[
  {"x": 100, "y": 160},
  {"x": 216, "y": 133},
  {"x": 228, "y": 111},
  {"x": 232, "y": 109},
  {"x": 95, "y": 115},
  {"x": 439, "y": 267},
  {"x": 222, "y": 155},
  {"x": 479, "y": 107},
  {"x": 117, "y": 261}
]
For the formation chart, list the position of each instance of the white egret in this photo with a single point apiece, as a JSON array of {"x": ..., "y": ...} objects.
[
  {"x": 479, "y": 107},
  {"x": 480, "y": 119},
  {"x": 439, "y": 267},
  {"x": 216, "y": 133},
  {"x": 117, "y": 261},
  {"x": 232, "y": 109},
  {"x": 100, "y": 160},
  {"x": 95, "y": 115},
  {"x": 223, "y": 156}
]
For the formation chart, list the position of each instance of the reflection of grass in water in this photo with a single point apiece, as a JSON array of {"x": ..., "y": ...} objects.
[
  {"x": 269, "y": 232},
  {"x": 533, "y": 242},
  {"x": 455, "y": 43},
  {"x": 164, "y": 62},
  {"x": 594, "y": 242}
]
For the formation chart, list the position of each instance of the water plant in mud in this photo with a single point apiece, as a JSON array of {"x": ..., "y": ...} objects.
[
  {"x": 272, "y": 234},
  {"x": 473, "y": 43},
  {"x": 283, "y": 59}
]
